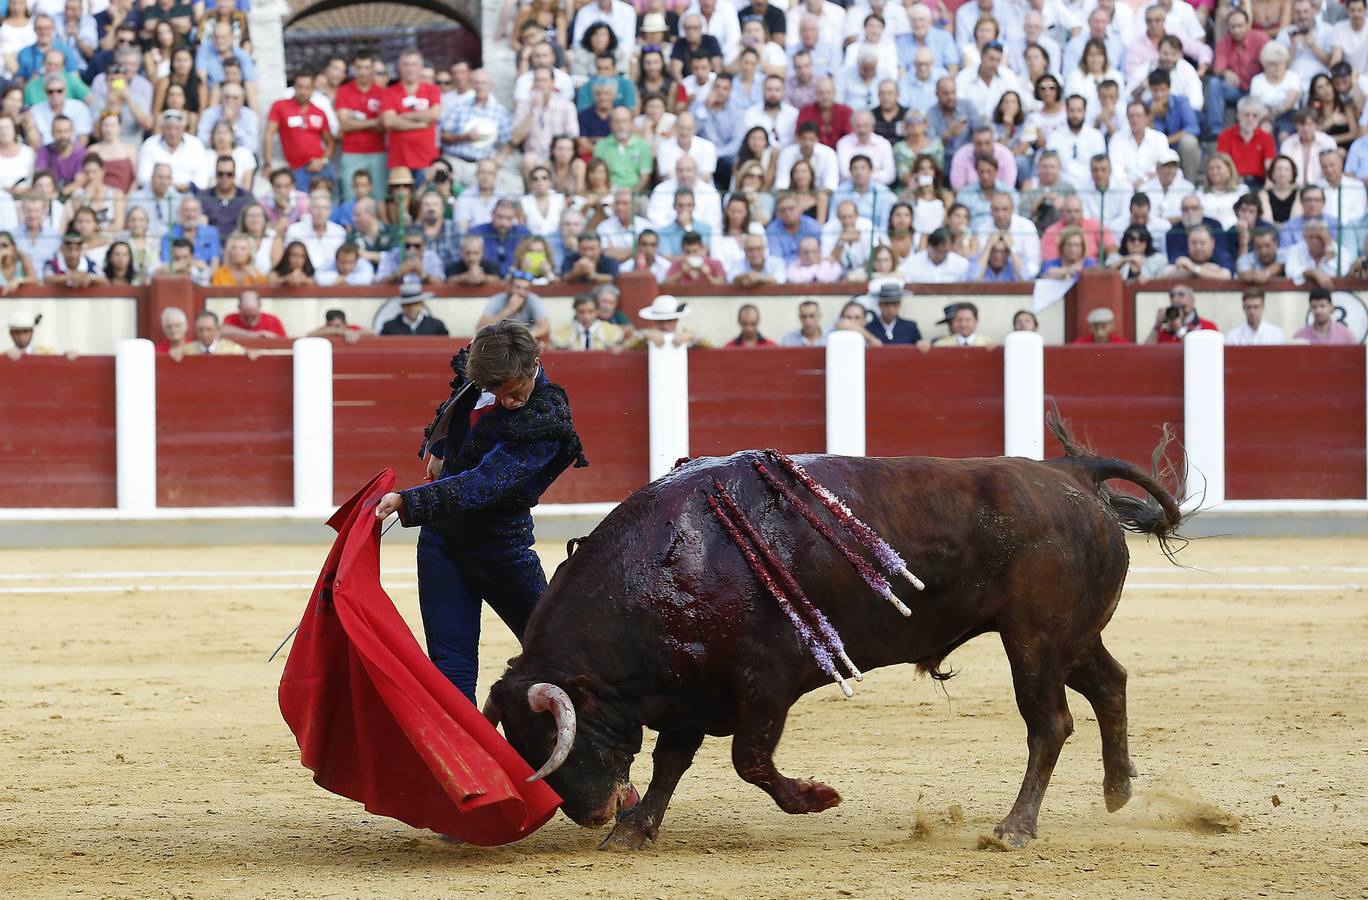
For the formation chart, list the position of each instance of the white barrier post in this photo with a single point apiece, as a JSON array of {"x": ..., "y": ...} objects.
[
  {"x": 1023, "y": 395},
  {"x": 845, "y": 393},
  {"x": 135, "y": 425},
  {"x": 1204, "y": 417},
  {"x": 313, "y": 424},
  {"x": 668, "y": 396}
]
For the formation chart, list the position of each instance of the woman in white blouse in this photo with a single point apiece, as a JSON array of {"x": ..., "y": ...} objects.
[
  {"x": 1093, "y": 69},
  {"x": 1223, "y": 188},
  {"x": 16, "y": 158},
  {"x": 1277, "y": 87},
  {"x": 541, "y": 206}
]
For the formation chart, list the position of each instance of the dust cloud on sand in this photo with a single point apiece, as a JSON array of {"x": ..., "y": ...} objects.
[{"x": 142, "y": 753}]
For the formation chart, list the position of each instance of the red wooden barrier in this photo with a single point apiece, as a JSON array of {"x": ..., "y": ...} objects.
[
  {"x": 57, "y": 442},
  {"x": 741, "y": 399},
  {"x": 384, "y": 395},
  {"x": 1294, "y": 423},
  {"x": 225, "y": 431},
  {"x": 1116, "y": 398},
  {"x": 944, "y": 403}
]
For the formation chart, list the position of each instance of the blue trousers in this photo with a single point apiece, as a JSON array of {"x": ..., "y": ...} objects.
[
  {"x": 303, "y": 177},
  {"x": 1219, "y": 94},
  {"x": 453, "y": 582}
]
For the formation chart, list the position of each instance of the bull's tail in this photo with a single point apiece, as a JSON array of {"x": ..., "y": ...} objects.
[{"x": 1159, "y": 514}]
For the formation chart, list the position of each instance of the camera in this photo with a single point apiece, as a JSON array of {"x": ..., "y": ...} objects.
[
  {"x": 115, "y": 69},
  {"x": 1173, "y": 314},
  {"x": 441, "y": 176}
]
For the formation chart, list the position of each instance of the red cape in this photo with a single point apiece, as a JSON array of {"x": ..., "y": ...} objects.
[{"x": 378, "y": 723}]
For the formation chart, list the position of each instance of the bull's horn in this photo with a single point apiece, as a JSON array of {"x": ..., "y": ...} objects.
[
  {"x": 543, "y": 697},
  {"x": 491, "y": 711}
]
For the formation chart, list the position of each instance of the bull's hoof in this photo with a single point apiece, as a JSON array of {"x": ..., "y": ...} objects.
[
  {"x": 627, "y": 834},
  {"x": 1005, "y": 837},
  {"x": 809, "y": 797},
  {"x": 1117, "y": 792}
]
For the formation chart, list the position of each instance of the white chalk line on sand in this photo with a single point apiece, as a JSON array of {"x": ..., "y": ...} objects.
[{"x": 405, "y": 585}]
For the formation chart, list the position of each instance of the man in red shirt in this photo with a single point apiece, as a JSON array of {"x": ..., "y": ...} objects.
[
  {"x": 1174, "y": 321},
  {"x": 250, "y": 322},
  {"x": 832, "y": 118},
  {"x": 304, "y": 134},
  {"x": 358, "y": 104},
  {"x": 1249, "y": 145},
  {"x": 410, "y": 113},
  {"x": 1235, "y": 65},
  {"x": 1101, "y": 328}
]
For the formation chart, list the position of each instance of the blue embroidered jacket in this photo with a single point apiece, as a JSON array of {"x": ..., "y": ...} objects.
[{"x": 504, "y": 463}]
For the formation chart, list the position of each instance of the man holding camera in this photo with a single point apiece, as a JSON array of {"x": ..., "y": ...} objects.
[{"x": 1173, "y": 322}]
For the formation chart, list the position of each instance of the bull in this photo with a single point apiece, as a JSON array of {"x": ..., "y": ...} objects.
[{"x": 656, "y": 621}]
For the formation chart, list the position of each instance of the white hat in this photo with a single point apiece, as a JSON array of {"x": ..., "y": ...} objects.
[
  {"x": 664, "y": 307},
  {"x": 1166, "y": 156},
  {"x": 1100, "y": 315},
  {"x": 653, "y": 23},
  {"x": 21, "y": 320}
]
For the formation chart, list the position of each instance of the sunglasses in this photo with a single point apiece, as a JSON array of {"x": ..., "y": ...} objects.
[
  {"x": 224, "y": 174},
  {"x": 51, "y": 91},
  {"x": 414, "y": 246},
  {"x": 444, "y": 82}
]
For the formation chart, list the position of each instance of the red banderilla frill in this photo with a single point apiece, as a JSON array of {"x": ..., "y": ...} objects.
[
  {"x": 823, "y": 643},
  {"x": 877, "y": 546}
]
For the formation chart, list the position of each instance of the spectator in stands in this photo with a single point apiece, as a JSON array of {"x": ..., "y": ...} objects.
[
  {"x": 287, "y": 204},
  {"x": 182, "y": 152},
  {"x": 809, "y": 332},
  {"x": 208, "y": 340},
  {"x": 1323, "y": 328},
  {"x": 335, "y": 325},
  {"x": 609, "y": 307},
  {"x": 1191, "y": 216},
  {"x": 16, "y": 267},
  {"x": 540, "y": 118},
  {"x": 305, "y": 138},
  {"x": 475, "y": 206},
  {"x": 535, "y": 257},
  {"x": 694, "y": 266},
  {"x": 695, "y": 43},
  {"x": 855, "y": 317},
  {"x": 472, "y": 268},
  {"x": 1173, "y": 117},
  {"x": 778, "y": 117},
  {"x": 1313, "y": 207},
  {"x": 43, "y": 114},
  {"x": 822, "y": 160},
  {"x": 175, "y": 332},
  {"x": 224, "y": 202},
  {"x": 1236, "y": 62},
  {"x": 998, "y": 261},
  {"x": 1204, "y": 259},
  {"x": 1076, "y": 143},
  {"x": 190, "y": 226},
  {"x": 748, "y": 319},
  {"x": 318, "y": 233},
  {"x": 629, "y": 157},
  {"x": 410, "y": 109},
  {"x": 1306, "y": 144},
  {"x": 146, "y": 248},
  {"x": 501, "y": 235},
  {"x": 1072, "y": 258},
  {"x": 557, "y": 246},
  {"x": 1025, "y": 320},
  {"x": 594, "y": 120},
  {"x": 1071, "y": 215},
  {"x": 951, "y": 121},
  {"x": 963, "y": 322},
  {"x": 1314, "y": 258},
  {"x": 1137, "y": 149},
  {"x": 250, "y": 321},
  {"x": 1265, "y": 259},
  {"x": 720, "y": 123},
  {"x": 29, "y": 59},
  {"x": 788, "y": 228},
  {"x": 1019, "y": 233},
  {"x": 1137, "y": 259},
  {"x": 413, "y": 318},
  {"x": 359, "y": 104},
  {"x": 348, "y": 268},
  {"x": 1223, "y": 189},
  {"x": 619, "y": 230},
  {"x": 587, "y": 331},
  {"x": 977, "y": 197},
  {"x": 756, "y": 267},
  {"x": 1101, "y": 328},
  {"x": 872, "y": 200},
  {"x": 294, "y": 268},
  {"x": 647, "y": 257},
  {"x": 70, "y": 266},
  {"x": 238, "y": 268},
  {"x": 983, "y": 85},
  {"x": 604, "y": 67},
  {"x": 706, "y": 203},
  {"x": 1247, "y": 144},
  {"x": 118, "y": 265},
  {"x": 1346, "y": 199},
  {"x": 62, "y": 156},
  {"x": 963, "y": 166},
  {"x": 1255, "y": 331},
  {"x": 863, "y": 142},
  {"x": 811, "y": 267},
  {"x": 832, "y": 118},
  {"x": 412, "y": 258},
  {"x": 517, "y": 303},
  {"x": 1041, "y": 203},
  {"x": 589, "y": 263},
  {"x": 848, "y": 239},
  {"x": 888, "y": 326},
  {"x": 1173, "y": 322},
  {"x": 937, "y": 264},
  {"x": 221, "y": 47}
]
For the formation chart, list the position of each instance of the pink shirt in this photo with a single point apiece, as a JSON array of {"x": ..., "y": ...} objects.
[
  {"x": 962, "y": 166},
  {"x": 1338, "y": 335}
]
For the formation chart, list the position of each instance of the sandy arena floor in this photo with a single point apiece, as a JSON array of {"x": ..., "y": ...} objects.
[{"x": 142, "y": 753}]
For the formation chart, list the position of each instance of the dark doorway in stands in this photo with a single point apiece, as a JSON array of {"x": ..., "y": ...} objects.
[{"x": 349, "y": 28}]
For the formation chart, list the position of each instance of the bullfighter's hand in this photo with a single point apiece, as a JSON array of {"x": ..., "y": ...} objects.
[
  {"x": 389, "y": 503},
  {"x": 434, "y": 467}
]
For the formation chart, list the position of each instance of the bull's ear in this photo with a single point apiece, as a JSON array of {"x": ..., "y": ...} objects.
[{"x": 580, "y": 688}]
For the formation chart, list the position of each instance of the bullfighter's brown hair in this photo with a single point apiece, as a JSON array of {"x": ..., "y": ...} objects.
[{"x": 502, "y": 351}]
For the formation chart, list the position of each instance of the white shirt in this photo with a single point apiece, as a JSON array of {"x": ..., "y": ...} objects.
[
  {"x": 920, "y": 269},
  {"x": 621, "y": 17},
  {"x": 707, "y": 204},
  {"x": 984, "y": 95},
  {"x": 856, "y": 256},
  {"x": 362, "y": 276},
  {"x": 522, "y": 88},
  {"x": 826, "y": 167},
  {"x": 879, "y": 151},
  {"x": 1025, "y": 243},
  {"x": 885, "y": 53},
  {"x": 322, "y": 247},
  {"x": 1299, "y": 261},
  {"x": 1353, "y": 43},
  {"x": 1265, "y": 335},
  {"x": 831, "y": 21},
  {"x": 324, "y": 103},
  {"x": 967, "y": 16},
  {"x": 660, "y": 268},
  {"x": 723, "y": 25},
  {"x": 701, "y": 150},
  {"x": 1136, "y": 161},
  {"x": 894, "y": 16},
  {"x": 1183, "y": 80},
  {"x": 1076, "y": 152},
  {"x": 1303, "y": 62},
  {"x": 1307, "y": 158},
  {"x": 1274, "y": 96},
  {"x": 1167, "y": 202},
  {"x": 781, "y": 125},
  {"x": 772, "y": 268},
  {"x": 617, "y": 236},
  {"x": 186, "y": 161},
  {"x": 1348, "y": 202},
  {"x": 1220, "y": 205}
]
